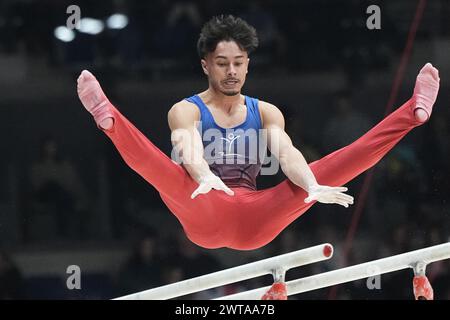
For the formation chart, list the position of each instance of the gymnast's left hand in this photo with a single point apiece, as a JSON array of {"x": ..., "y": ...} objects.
[{"x": 331, "y": 195}]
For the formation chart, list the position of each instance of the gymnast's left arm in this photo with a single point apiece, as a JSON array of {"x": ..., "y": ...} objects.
[{"x": 293, "y": 163}]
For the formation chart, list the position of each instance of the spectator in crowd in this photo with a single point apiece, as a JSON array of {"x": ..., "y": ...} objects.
[
  {"x": 11, "y": 282},
  {"x": 346, "y": 125},
  {"x": 57, "y": 189},
  {"x": 142, "y": 270}
]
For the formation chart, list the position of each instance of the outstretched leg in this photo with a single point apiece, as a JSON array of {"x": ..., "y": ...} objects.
[
  {"x": 204, "y": 218},
  {"x": 345, "y": 164},
  {"x": 277, "y": 207},
  {"x": 138, "y": 152}
]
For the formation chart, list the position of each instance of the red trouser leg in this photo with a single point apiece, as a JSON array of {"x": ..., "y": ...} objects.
[
  {"x": 277, "y": 207},
  {"x": 168, "y": 177},
  {"x": 201, "y": 218}
]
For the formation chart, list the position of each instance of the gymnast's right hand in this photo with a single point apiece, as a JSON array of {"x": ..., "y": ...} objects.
[{"x": 209, "y": 182}]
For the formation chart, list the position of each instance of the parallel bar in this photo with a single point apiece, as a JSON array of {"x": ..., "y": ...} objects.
[
  {"x": 240, "y": 273},
  {"x": 359, "y": 271}
]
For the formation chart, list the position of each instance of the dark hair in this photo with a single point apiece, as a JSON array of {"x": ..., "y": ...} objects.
[{"x": 226, "y": 28}]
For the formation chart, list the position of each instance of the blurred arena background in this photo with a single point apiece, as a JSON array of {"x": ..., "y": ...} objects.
[{"x": 67, "y": 198}]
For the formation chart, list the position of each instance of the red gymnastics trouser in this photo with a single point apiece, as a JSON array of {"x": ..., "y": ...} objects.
[{"x": 250, "y": 219}]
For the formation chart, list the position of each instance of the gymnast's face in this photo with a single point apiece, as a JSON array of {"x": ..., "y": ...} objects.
[{"x": 226, "y": 68}]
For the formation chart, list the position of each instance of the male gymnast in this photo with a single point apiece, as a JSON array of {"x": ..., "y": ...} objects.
[{"x": 213, "y": 194}]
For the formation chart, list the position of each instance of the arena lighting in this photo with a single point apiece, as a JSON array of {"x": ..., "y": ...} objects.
[
  {"x": 64, "y": 34},
  {"x": 117, "y": 21},
  {"x": 91, "y": 26}
]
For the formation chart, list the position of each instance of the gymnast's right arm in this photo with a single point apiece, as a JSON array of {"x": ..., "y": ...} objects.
[{"x": 188, "y": 143}]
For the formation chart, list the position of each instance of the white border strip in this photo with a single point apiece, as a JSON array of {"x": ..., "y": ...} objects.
[{"x": 247, "y": 271}]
